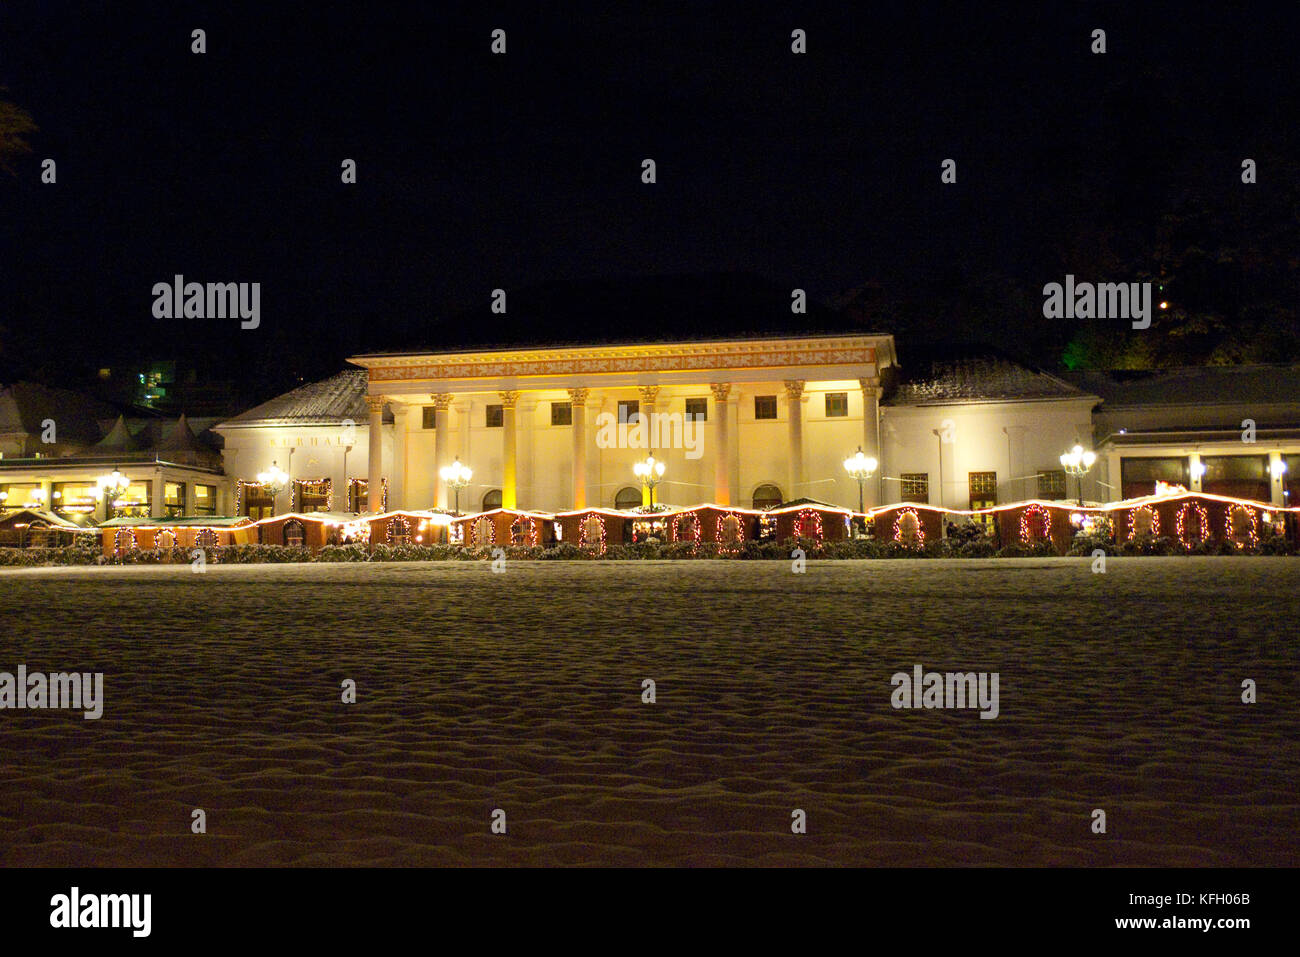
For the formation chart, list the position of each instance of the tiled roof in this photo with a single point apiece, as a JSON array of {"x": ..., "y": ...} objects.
[
  {"x": 339, "y": 397},
  {"x": 981, "y": 379}
]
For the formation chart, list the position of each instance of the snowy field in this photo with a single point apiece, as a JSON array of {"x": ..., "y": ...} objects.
[{"x": 522, "y": 691}]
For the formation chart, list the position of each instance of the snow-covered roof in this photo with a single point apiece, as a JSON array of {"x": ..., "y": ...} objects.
[
  {"x": 979, "y": 379},
  {"x": 327, "y": 402}
]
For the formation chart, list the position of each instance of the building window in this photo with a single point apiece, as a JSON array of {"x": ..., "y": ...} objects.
[
  {"x": 1138, "y": 476},
  {"x": 767, "y": 496},
  {"x": 1236, "y": 476},
  {"x": 205, "y": 500},
  {"x": 173, "y": 499},
  {"x": 561, "y": 413},
  {"x": 258, "y": 500},
  {"x": 496, "y": 417},
  {"x": 837, "y": 405},
  {"x": 628, "y": 498},
  {"x": 915, "y": 487},
  {"x": 358, "y": 497},
  {"x": 983, "y": 494},
  {"x": 765, "y": 407},
  {"x": 1051, "y": 485},
  {"x": 75, "y": 499},
  {"x": 699, "y": 408},
  {"x": 430, "y": 416},
  {"x": 491, "y": 499},
  {"x": 311, "y": 495},
  {"x": 629, "y": 411}
]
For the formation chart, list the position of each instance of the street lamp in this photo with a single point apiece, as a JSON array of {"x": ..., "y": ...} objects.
[
  {"x": 274, "y": 479},
  {"x": 111, "y": 486},
  {"x": 1076, "y": 462},
  {"x": 649, "y": 472},
  {"x": 860, "y": 467},
  {"x": 457, "y": 476}
]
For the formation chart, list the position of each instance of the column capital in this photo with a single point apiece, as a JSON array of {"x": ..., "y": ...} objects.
[
  {"x": 509, "y": 398},
  {"x": 578, "y": 396},
  {"x": 441, "y": 400},
  {"x": 794, "y": 389},
  {"x": 649, "y": 393},
  {"x": 375, "y": 403},
  {"x": 720, "y": 390},
  {"x": 871, "y": 387}
]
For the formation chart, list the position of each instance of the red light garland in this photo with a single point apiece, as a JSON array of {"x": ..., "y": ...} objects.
[
  {"x": 807, "y": 515},
  {"x": 124, "y": 541},
  {"x": 1027, "y": 529}
]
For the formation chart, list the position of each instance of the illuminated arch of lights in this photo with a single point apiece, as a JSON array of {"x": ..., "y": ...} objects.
[
  {"x": 584, "y": 531},
  {"x": 898, "y": 527},
  {"x": 1202, "y": 522},
  {"x": 693, "y": 524},
  {"x": 806, "y": 517},
  {"x": 1151, "y": 513}
]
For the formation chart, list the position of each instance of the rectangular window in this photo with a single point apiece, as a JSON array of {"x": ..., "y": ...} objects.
[
  {"x": 496, "y": 417},
  {"x": 75, "y": 498},
  {"x": 561, "y": 413},
  {"x": 915, "y": 487},
  {"x": 1237, "y": 476},
  {"x": 1051, "y": 485},
  {"x": 628, "y": 409},
  {"x": 837, "y": 404},
  {"x": 311, "y": 495},
  {"x": 258, "y": 502},
  {"x": 765, "y": 407},
  {"x": 205, "y": 500},
  {"x": 983, "y": 493},
  {"x": 174, "y": 499},
  {"x": 430, "y": 415},
  {"x": 698, "y": 408},
  {"x": 1138, "y": 476}
]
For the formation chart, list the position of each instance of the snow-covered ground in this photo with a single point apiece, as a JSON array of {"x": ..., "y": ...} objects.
[{"x": 522, "y": 691}]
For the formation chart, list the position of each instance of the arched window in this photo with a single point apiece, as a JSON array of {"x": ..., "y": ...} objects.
[
  {"x": 521, "y": 531},
  {"x": 294, "y": 533},
  {"x": 627, "y": 498},
  {"x": 207, "y": 538},
  {"x": 165, "y": 539},
  {"x": 767, "y": 496},
  {"x": 491, "y": 500},
  {"x": 484, "y": 532}
]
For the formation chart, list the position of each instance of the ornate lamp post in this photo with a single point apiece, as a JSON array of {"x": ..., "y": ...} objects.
[
  {"x": 1076, "y": 462},
  {"x": 111, "y": 486},
  {"x": 861, "y": 467},
  {"x": 649, "y": 472},
  {"x": 456, "y": 476},
  {"x": 274, "y": 479}
]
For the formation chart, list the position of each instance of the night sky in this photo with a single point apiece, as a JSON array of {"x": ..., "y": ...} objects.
[{"x": 478, "y": 171}]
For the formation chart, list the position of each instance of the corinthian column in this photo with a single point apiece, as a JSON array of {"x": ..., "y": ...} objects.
[
  {"x": 509, "y": 399},
  {"x": 578, "y": 413},
  {"x": 871, "y": 436},
  {"x": 375, "y": 457},
  {"x": 794, "y": 410},
  {"x": 721, "y": 451},
  {"x": 441, "y": 443}
]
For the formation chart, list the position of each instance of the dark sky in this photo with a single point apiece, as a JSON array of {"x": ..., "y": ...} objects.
[{"x": 478, "y": 171}]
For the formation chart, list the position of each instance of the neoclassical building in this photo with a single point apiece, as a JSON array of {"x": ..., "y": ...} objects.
[{"x": 553, "y": 429}]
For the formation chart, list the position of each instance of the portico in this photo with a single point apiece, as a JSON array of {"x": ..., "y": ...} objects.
[{"x": 528, "y": 421}]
